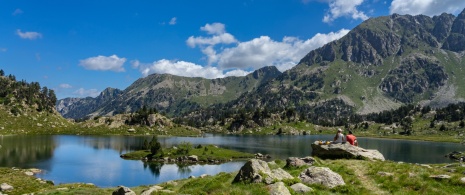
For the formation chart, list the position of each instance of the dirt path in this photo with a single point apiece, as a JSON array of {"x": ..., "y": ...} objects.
[{"x": 362, "y": 174}]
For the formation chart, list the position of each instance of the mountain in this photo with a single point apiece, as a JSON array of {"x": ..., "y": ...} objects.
[
  {"x": 166, "y": 93},
  {"x": 382, "y": 64}
]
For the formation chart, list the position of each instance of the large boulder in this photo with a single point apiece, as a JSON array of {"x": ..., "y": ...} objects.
[
  {"x": 257, "y": 171},
  {"x": 278, "y": 188},
  {"x": 301, "y": 188},
  {"x": 337, "y": 151},
  {"x": 298, "y": 162},
  {"x": 122, "y": 190},
  {"x": 321, "y": 175}
]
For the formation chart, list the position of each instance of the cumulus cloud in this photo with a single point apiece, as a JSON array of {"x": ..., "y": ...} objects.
[
  {"x": 264, "y": 51},
  {"x": 344, "y": 8},
  {"x": 65, "y": 86},
  {"x": 187, "y": 69},
  {"x": 173, "y": 21},
  {"x": 426, "y": 7},
  {"x": 81, "y": 92},
  {"x": 28, "y": 35},
  {"x": 104, "y": 63}
]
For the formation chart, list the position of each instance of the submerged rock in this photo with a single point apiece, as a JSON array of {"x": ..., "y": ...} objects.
[{"x": 337, "y": 151}]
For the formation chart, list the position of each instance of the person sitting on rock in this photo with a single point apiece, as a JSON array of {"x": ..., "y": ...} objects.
[
  {"x": 339, "y": 138},
  {"x": 351, "y": 139}
]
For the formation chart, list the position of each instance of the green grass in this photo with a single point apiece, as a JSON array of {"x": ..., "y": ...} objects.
[{"x": 204, "y": 153}]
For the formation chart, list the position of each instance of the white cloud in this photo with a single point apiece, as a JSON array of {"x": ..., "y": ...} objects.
[
  {"x": 426, "y": 7},
  {"x": 104, "y": 63},
  {"x": 264, "y": 51},
  {"x": 28, "y": 35},
  {"x": 215, "y": 28},
  {"x": 224, "y": 38},
  {"x": 173, "y": 21},
  {"x": 81, "y": 92},
  {"x": 344, "y": 8},
  {"x": 3, "y": 49},
  {"x": 17, "y": 12},
  {"x": 135, "y": 63},
  {"x": 65, "y": 86},
  {"x": 186, "y": 69}
]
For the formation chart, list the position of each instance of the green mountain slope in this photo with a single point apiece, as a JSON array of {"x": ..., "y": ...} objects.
[{"x": 166, "y": 93}]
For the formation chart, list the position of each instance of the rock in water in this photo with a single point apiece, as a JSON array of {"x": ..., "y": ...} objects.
[
  {"x": 337, "y": 151},
  {"x": 321, "y": 175}
]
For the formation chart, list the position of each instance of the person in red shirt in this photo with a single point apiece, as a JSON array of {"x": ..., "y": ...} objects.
[{"x": 351, "y": 139}]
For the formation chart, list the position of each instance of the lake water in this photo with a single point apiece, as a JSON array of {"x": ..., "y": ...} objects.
[{"x": 95, "y": 159}]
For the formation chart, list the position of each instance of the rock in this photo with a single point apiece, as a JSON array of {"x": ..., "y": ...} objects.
[
  {"x": 440, "y": 177},
  {"x": 301, "y": 188},
  {"x": 62, "y": 189},
  {"x": 203, "y": 175},
  {"x": 151, "y": 189},
  {"x": 321, "y": 175},
  {"x": 337, "y": 151},
  {"x": 122, "y": 190},
  {"x": 298, "y": 162},
  {"x": 131, "y": 130},
  {"x": 462, "y": 180},
  {"x": 258, "y": 155},
  {"x": 385, "y": 173},
  {"x": 193, "y": 158},
  {"x": 256, "y": 171},
  {"x": 191, "y": 177},
  {"x": 28, "y": 173},
  {"x": 427, "y": 166},
  {"x": 6, "y": 187},
  {"x": 278, "y": 188},
  {"x": 35, "y": 171}
]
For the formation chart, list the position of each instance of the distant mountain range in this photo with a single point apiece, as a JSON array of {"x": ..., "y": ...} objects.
[{"x": 382, "y": 64}]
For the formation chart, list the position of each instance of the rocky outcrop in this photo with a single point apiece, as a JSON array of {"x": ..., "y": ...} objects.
[
  {"x": 257, "y": 171},
  {"x": 298, "y": 162},
  {"x": 301, "y": 188},
  {"x": 122, "y": 190},
  {"x": 321, "y": 175},
  {"x": 278, "y": 188},
  {"x": 337, "y": 151},
  {"x": 6, "y": 187}
]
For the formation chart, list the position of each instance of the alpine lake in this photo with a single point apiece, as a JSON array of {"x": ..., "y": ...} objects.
[{"x": 96, "y": 159}]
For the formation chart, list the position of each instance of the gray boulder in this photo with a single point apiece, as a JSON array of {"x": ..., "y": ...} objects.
[
  {"x": 122, "y": 190},
  {"x": 321, "y": 175},
  {"x": 301, "y": 188},
  {"x": 6, "y": 187},
  {"x": 278, "y": 188},
  {"x": 298, "y": 162},
  {"x": 256, "y": 171},
  {"x": 337, "y": 151}
]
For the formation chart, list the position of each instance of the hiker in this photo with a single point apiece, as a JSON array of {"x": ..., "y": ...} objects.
[
  {"x": 339, "y": 138},
  {"x": 351, "y": 139}
]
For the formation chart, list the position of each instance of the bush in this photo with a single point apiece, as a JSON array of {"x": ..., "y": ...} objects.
[{"x": 155, "y": 146}]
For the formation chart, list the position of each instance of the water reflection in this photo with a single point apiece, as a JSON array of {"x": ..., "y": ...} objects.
[
  {"x": 154, "y": 167},
  {"x": 23, "y": 151}
]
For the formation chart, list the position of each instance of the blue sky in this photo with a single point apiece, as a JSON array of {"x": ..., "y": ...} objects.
[{"x": 79, "y": 48}]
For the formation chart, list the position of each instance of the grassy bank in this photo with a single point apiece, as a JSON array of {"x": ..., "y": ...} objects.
[
  {"x": 361, "y": 177},
  {"x": 204, "y": 153}
]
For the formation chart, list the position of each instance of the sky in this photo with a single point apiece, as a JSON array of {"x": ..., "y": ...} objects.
[{"x": 80, "y": 47}]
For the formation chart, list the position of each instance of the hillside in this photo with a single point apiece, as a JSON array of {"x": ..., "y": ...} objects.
[{"x": 166, "y": 93}]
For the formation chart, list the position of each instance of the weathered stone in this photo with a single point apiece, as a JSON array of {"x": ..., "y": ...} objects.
[
  {"x": 203, "y": 175},
  {"x": 6, "y": 187},
  {"x": 28, "y": 173},
  {"x": 321, "y": 175},
  {"x": 462, "y": 180},
  {"x": 191, "y": 177},
  {"x": 337, "y": 151},
  {"x": 257, "y": 171},
  {"x": 301, "y": 188},
  {"x": 298, "y": 162},
  {"x": 151, "y": 189},
  {"x": 385, "y": 173},
  {"x": 278, "y": 188},
  {"x": 439, "y": 177},
  {"x": 122, "y": 190},
  {"x": 131, "y": 130},
  {"x": 193, "y": 158}
]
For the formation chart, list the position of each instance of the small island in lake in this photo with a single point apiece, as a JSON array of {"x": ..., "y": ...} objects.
[{"x": 185, "y": 153}]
